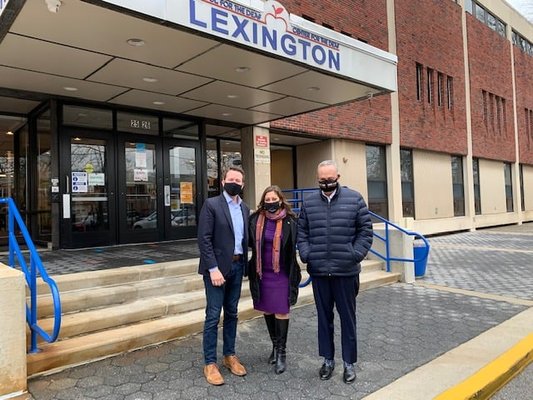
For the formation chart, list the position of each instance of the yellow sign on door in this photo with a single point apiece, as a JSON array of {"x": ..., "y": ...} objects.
[{"x": 186, "y": 193}]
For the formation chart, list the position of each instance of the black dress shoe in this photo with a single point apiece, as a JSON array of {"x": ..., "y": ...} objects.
[
  {"x": 326, "y": 371},
  {"x": 349, "y": 374}
]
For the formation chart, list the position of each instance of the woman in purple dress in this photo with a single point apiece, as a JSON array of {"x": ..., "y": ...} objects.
[{"x": 273, "y": 272}]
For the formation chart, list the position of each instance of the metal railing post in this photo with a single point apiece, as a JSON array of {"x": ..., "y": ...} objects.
[
  {"x": 30, "y": 273},
  {"x": 33, "y": 308}
]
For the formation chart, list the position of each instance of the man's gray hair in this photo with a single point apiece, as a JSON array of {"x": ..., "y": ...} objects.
[{"x": 326, "y": 163}]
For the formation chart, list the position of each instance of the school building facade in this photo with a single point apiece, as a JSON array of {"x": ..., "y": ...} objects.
[{"x": 118, "y": 117}]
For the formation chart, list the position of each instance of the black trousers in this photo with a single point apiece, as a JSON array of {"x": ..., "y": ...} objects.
[{"x": 341, "y": 292}]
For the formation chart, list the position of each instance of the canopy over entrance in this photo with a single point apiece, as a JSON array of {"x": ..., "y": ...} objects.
[{"x": 245, "y": 62}]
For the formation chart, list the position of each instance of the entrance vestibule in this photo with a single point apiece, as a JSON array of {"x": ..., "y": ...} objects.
[{"x": 136, "y": 181}]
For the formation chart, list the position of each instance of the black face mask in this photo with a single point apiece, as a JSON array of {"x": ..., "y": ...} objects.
[
  {"x": 328, "y": 186},
  {"x": 271, "y": 207},
  {"x": 232, "y": 188}
]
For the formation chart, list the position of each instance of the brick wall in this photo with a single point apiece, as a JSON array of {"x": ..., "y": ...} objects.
[
  {"x": 523, "y": 65},
  {"x": 430, "y": 33},
  {"x": 490, "y": 71},
  {"x": 367, "y": 120}
]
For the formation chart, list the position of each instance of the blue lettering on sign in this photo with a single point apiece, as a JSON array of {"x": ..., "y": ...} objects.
[
  {"x": 246, "y": 25},
  {"x": 239, "y": 29},
  {"x": 192, "y": 15},
  {"x": 216, "y": 21},
  {"x": 288, "y": 48}
]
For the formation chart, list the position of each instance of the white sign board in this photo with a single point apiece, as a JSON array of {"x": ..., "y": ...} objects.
[
  {"x": 267, "y": 26},
  {"x": 140, "y": 175},
  {"x": 97, "y": 179},
  {"x": 79, "y": 182},
  {"x": 3, "y": 5},
  {"x": 262, "y": 156}
]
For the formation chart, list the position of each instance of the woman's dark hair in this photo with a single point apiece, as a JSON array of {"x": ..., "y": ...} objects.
[{"x": 284, "y": 203}]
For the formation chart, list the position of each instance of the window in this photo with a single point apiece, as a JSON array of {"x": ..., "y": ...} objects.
[
  {"x": 430, "y": 85},
  {"x": 408, "y": 195},
  {"x": 181, "y": 129},
  {"x": 87, "y": 117},
  {"x": 491, "y": 22},
  {"x": 504, "y": 117},
  {"x": 458, "y": 186},
  {"x": 499, "y": 116},
  {"x": 418, "y": 81},
  {"x": 522, "y": 200},
  {"x": 44, "y": 206},
  {"x": 213, "y": 184},
  {"x": 494, "y": 114},
  {"x": 485, "y": 95},
  {"x": 480, "y": 13},
  {"x": 376, "y": 175},
  {"x": 477, "y": 190},
  {"x": 449, "y": 91},
  {"x": 508, "y": 187},
  {"x": 529, "y": 126},
  {"x": 491, "y": 107},
  {"x": 440, "y": 78},
  {"x": 486, "y": 17}
]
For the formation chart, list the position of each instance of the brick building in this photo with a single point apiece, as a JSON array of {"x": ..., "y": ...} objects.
[{"x": 118, "y": 134}]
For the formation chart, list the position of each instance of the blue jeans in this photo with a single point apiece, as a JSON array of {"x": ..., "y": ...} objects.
[{"x": 222, "y": 297}]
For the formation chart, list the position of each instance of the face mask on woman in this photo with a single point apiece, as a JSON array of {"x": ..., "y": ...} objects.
[{"x": 272, "y": 207}]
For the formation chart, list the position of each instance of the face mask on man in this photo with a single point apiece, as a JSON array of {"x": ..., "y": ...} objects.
[
  {"x": 328, "y": 185},
  {"x": 232, "y": 188},
  {"x": 271, "y": 207}
]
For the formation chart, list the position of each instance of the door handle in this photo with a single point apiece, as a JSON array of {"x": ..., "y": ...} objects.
[
  {"x": 167, "y": 195},
  {"x": 68, "y": 184}
]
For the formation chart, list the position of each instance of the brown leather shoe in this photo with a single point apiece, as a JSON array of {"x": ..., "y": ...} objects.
[
  {"x": 234, "y": 365},
  {"x": 212, "y": 374}
]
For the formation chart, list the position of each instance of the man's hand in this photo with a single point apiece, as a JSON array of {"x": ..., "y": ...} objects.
[{"x": 217, "y": 279}]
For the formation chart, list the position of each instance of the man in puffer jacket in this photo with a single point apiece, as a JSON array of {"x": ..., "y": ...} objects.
[{"x": 334, "y": 236}]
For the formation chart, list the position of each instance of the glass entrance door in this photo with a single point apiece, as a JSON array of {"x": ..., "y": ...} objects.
[
  {"x": 181, "y": 188},
  {"x": 140, "y": 204},
  {"x": 89, "y": 198}
]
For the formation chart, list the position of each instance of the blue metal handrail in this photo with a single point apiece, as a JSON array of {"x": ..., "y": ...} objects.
[
  {"x": 297, "y": 199},
  {"x": 387, "y": 257},
  {"x": 36, "y": 266}
]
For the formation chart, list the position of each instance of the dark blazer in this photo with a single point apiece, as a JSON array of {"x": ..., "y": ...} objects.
[
  {"x": 216, "y": 239},
  {"x": 288, "y": 252}
]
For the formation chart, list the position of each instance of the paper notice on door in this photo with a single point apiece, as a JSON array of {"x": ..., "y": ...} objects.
[
  {"x": 186, "y": 193},
  {"x": 140, "y": 175},
  {"x": 140, "y": 158},
  {"x": 97, "y": 179},
  {"x": 79, "y": 182}
]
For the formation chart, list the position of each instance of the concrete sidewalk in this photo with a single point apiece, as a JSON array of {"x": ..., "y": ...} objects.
[{"x": 474, "y": 304}]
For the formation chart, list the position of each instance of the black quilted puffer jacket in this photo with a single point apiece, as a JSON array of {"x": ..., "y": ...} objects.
[{"x": 334, "y": 236}]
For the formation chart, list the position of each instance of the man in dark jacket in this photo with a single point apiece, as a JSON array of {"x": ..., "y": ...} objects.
[
  {"x": 334, "y": 236},
  {"x": 223, "y": 244}
]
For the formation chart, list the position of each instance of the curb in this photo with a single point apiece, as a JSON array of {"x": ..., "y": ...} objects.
[{"x": 489, "y": 379}]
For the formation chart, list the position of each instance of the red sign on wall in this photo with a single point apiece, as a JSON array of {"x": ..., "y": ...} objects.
[{"x": 261, "y": 141}]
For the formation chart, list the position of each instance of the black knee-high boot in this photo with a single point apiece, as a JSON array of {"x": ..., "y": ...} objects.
[
  {"x": 282, "y": 328},
  {"x": 270, "y": 320}
]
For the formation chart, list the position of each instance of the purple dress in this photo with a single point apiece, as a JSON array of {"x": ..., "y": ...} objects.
[{"x": 274, "y": 287}]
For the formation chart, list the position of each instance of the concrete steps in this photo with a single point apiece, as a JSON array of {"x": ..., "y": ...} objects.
[{"x": 113, "y": 311}]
